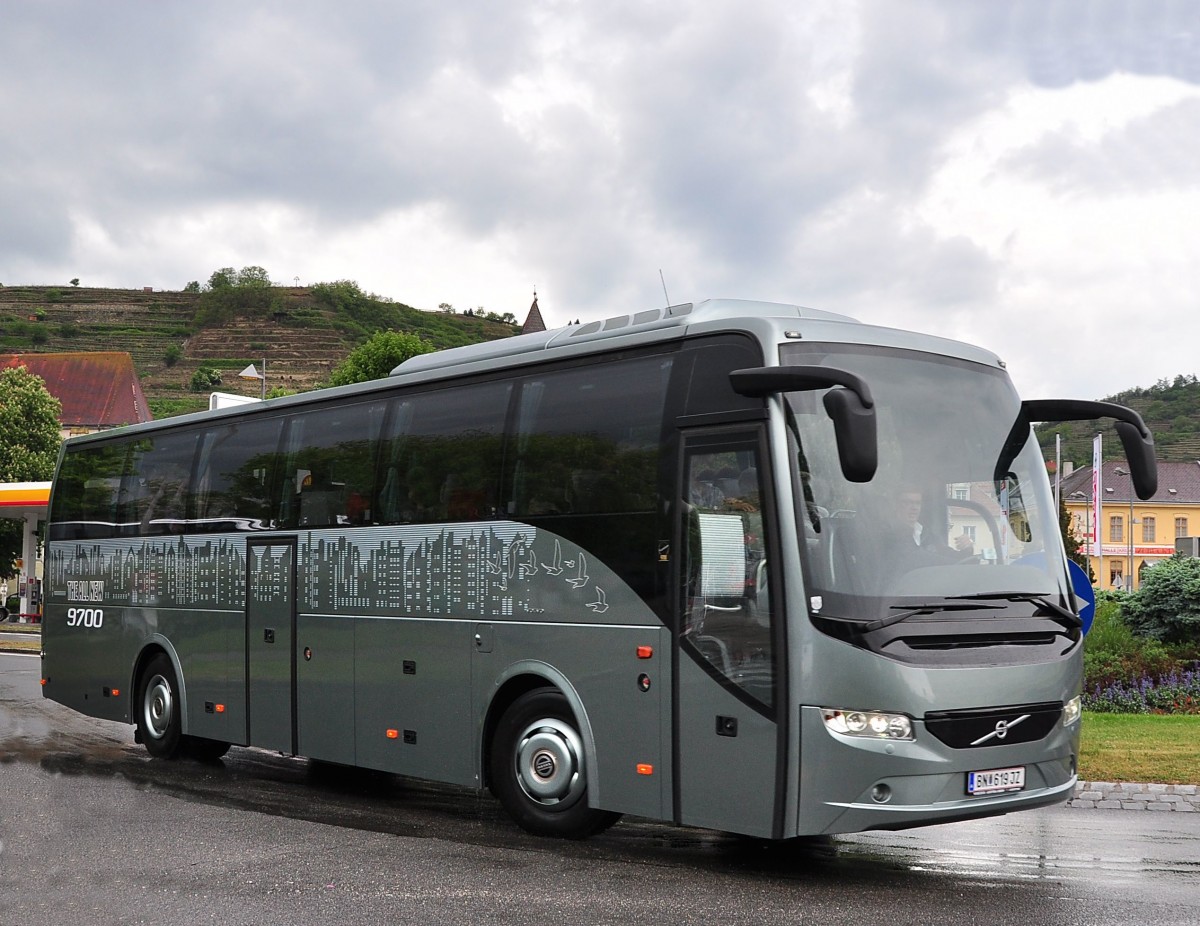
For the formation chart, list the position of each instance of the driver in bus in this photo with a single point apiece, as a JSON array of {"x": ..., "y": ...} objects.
[{"x": 912, "y": 534}]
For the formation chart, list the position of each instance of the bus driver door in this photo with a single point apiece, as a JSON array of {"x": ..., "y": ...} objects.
[{"x": 727, "y": 700}]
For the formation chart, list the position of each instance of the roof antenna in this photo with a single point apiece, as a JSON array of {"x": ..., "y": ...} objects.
[{"x": 664, "y": 285}]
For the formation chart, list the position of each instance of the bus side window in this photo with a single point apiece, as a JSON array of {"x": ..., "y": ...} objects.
[
  {"x": 442, "y": 454},
  {"x": 329, "y": 466},
  {"x": 235, "y": 476},
  {"x": 582, "y": 447},
  {"x": 159, "y": 490}
]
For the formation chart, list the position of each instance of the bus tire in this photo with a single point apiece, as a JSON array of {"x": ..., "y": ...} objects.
[
  {"x": 160, "y": 727},
  {"x": 538, "y": 771},
  {"x": 204, "y": 750}
]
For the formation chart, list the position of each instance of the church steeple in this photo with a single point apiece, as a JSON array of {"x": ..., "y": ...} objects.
[{"x": 533, "y": 322}]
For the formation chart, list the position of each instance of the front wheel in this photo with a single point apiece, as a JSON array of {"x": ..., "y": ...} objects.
[
  {"x": 158, "y": 722},
  {"x": 538, "y": 771}
]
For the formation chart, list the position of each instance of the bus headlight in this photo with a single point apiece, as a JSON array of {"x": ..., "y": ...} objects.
[
  {"x": 1072, "y": 710},
  {"x": 872, "y": 724}
]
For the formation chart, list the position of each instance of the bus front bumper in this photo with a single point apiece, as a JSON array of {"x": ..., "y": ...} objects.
[{"x": 850, "y": 784}]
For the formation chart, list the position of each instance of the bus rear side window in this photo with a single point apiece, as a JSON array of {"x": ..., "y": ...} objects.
[{"x": 85, "y": 492}]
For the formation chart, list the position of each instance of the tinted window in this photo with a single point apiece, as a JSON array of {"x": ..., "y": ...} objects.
[
  {"x": 235, "y": 477},
  {"x": 443, "y": 455},
  {"x": 85, "y": 491},
  {"x": 154, "y": 493},
  {"x": 329, "y": 475},
  {"x": 588, "y": 439}
]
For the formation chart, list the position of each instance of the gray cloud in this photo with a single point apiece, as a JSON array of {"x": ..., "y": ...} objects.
[{"x": 759, "y": 149}]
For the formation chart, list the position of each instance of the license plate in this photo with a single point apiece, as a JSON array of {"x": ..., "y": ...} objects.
[{"x": 994, "y": 780}]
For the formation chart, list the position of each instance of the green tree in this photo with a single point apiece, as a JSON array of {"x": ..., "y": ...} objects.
[
  {"x": 222, "y": 278},
  {"x": 1071, "y": 544},
  {"x": 29, "y": 441},
  {"x": 375, "y": 358},
  {"x": 1167, "y": 606},
  {"x": 204, "y": 379},
  {"x": 230, "y": 293}
]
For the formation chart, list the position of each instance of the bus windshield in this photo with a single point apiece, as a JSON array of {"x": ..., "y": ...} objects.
[{"x": 947, "y": 517}]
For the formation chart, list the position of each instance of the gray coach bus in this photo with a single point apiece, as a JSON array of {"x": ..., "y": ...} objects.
[{"x": 736, "y": 565}]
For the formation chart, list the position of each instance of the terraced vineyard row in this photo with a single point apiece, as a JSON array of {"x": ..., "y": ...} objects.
[{"x": 301, "y": 345}]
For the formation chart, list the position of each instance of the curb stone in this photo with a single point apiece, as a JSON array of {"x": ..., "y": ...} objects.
[{"x": 1124, "y": 795}]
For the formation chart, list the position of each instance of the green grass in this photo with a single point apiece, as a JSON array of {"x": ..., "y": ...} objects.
[{"x": 1141, "y": 747}]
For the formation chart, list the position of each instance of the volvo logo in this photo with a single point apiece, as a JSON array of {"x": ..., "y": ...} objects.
[
  {"x": 544, "y": 765},
  {"x": 1001, "y": 730}
]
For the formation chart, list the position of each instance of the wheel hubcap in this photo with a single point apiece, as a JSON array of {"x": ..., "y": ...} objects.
[
  {"x": 158, "y": 708},
  {"x": 549, "y": 762}
]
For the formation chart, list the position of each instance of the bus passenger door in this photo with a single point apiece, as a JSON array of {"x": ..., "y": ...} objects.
[
  {"x": 729, "y": 649},
  {"x": 270, "y": 643}
]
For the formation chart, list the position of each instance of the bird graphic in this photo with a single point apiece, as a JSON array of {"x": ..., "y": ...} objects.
[
  {"x": 496, "y": 568},
  {"x": 600, "y": 605},
  {"x": 530, "y": 567},
  {"x": 555, "y": 568},
  {"x": 583, "y": 578}
]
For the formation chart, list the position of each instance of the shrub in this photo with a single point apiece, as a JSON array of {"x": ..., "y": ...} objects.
[
  {"x": 172, "y": 355},
  {"x": 204, "y": 379},
  {"x": 1167, "y": 606}
]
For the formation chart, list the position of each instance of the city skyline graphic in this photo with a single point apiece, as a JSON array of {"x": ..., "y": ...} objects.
[{"x": 497, "y": 569}]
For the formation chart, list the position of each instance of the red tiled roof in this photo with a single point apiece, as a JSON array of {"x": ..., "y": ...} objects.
[{"x": 97, "y": 390}]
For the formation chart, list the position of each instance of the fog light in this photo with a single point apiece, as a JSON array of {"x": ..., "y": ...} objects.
[
  {"x": 881, "y": 794},
  {"x": 1072, "y": 710}
]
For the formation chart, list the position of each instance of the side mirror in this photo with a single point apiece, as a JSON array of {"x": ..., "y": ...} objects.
[
  {"x": 848, "y": 403},
  {"x": 1136, "y": 438}
]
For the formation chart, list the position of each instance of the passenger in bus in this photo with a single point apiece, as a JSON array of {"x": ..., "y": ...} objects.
[{"x": 703, "y": 492}]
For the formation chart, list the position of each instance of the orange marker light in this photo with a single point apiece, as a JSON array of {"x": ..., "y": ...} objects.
[
  {"x": 220, "y": 708},
  {"x": 645, "y": 652},
  {"x": 393, "y": 734},
  {"x": 116, "y": 692},
  {"x": 45, "y": 680},
  {"x": 645, "y": 769}
]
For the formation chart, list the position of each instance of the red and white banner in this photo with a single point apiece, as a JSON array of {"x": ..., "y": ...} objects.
[{"x": 1097, "y": 495}]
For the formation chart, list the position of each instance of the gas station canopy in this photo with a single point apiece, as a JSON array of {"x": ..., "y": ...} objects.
[{"x": 26, "y": 501}]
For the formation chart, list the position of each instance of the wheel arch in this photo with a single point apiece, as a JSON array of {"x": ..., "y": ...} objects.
[
  {"x": 521, "y": 678},
  {"x": 157, "y": 645}
]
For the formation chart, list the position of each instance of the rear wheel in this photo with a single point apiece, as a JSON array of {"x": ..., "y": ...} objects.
[
  {"x": 538, "y": 771},
  {"x": 158, "y": 722}
]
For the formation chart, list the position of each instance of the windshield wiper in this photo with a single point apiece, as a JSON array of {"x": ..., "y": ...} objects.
[
  {"x": 867, "y": 625},
  {"x": 1045, "y": 607}
]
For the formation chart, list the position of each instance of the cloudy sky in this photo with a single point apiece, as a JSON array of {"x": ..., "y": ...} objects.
[{"x": 1022, "y": 175}]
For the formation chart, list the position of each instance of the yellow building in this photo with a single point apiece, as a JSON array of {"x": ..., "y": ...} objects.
[{"x": 1134, "y": 534}]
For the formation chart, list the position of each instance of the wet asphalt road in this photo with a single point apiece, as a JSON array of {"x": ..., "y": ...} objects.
[{"x": 92, "y": 831}]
